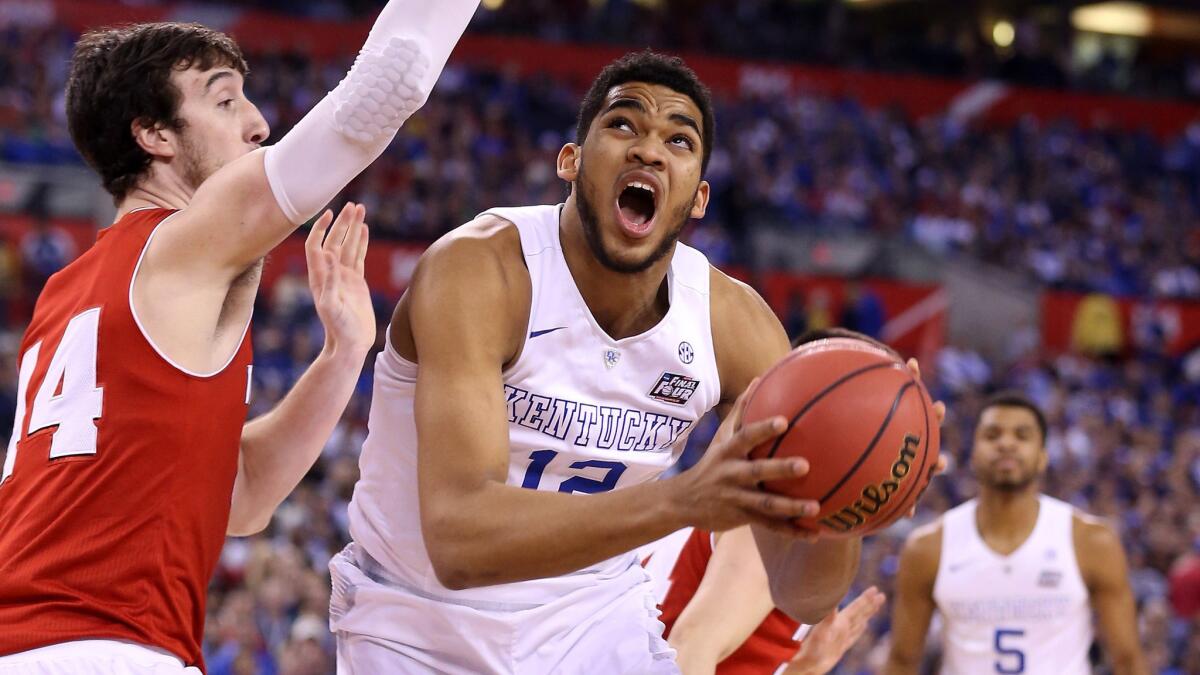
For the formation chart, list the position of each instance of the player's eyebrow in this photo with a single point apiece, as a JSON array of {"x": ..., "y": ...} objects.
[
  {"x": 216, "y": 77},
  {"x": 687, "y": 121},
  {"x": 626, "y": 103}
]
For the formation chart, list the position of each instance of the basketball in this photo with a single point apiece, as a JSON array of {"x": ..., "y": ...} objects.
[{"x": 864, "y": 422}]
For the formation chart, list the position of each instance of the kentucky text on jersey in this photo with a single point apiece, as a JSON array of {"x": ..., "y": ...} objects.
[{"x": 595, "y": 426}]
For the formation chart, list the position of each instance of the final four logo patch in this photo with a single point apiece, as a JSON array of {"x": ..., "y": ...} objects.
[{"x": 674, "y": 389}]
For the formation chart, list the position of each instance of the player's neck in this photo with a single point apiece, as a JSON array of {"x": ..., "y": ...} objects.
[
  {"x": 1007, "y": 516},
  {"x": 622, "y": 304},
  {"x": 159, "y": 189}
]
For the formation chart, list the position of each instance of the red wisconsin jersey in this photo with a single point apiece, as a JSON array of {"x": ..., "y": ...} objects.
[
  {"x": 770, "y": 646},
  {"x": 117, "y": 482}
]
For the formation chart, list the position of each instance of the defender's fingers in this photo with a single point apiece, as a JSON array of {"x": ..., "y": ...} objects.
[
  {"x": 353, "y": 233},
  {"x": 317, "y": 234},
  {"x": 331, "y": 281},
  {"x": 360, "y": 258},
  {"x": 939, "y": 410},
  {"x": 337, "y": 235}
]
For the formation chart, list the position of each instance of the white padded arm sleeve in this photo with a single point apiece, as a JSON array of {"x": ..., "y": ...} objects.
[{"x": 391, "y": 78}]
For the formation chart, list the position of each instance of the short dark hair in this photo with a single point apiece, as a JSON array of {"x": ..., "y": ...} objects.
[
  {"x": 1014, "y": 399},
  {"x": 122, "y": 75},
  {"x": 652, "y": 68},
  {"x": 839, "y": 332}
]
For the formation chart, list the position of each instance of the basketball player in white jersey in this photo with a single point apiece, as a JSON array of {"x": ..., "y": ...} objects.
[
  {"x": 565, "y": 352},
  {"x": 1015, "y": 574}
]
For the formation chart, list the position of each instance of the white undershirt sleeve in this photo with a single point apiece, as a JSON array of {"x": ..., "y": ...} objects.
[{"x": 391, "y": 79}]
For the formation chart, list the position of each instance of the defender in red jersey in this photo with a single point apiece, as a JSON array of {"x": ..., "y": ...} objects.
[
  {"x": 131, "y": 458},
  {"x": 716, "y": 606}
]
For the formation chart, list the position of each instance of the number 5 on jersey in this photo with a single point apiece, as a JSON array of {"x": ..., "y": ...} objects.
[{"x": 67, "y": 396}]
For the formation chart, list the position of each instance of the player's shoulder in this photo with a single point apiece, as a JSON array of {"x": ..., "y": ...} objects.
[
  {"x": 483, "y": 251},
  {"x": 924, "y": 544},
  {"x": 747, "y": 336},
  {"x": 734, "y": 302},
  {"x": 1092, "y": 535}
]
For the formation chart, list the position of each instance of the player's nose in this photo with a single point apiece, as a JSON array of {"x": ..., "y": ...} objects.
[
  {"x": 257, "y": 130},
  {"x": 648, "y": 151}
]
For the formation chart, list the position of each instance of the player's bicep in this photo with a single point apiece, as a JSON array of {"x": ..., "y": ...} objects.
[
  {"x": 232, "y": 221},
  {"x": 462, "y": 333},
  {"x": 913, "y": 604},
  {"x": 1107, "y": 577}
]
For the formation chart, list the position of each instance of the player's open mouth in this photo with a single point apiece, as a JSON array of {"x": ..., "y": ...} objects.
[{"x": 636, "y": 205}]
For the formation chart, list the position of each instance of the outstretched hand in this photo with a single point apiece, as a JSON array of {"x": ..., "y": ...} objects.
[
  {"x": 336, "y": 260},
  {"x": 829, "y": 640}
]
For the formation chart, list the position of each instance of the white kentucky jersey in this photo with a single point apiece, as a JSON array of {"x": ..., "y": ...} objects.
[
  {"x": 586, "y": 414},
  {"x": 1026, "y": 612}
]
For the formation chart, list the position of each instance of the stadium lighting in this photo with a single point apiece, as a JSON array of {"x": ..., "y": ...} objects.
[
  {"x": 1003, "y": 34},
  {"x": 493, "y": 5},
  {"x": 1113, "y": 18}
]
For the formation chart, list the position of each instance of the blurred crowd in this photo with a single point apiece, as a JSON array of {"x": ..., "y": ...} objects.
[
  {"x": 951, "y": 39},
  {"x": 1104, "y": 210}
]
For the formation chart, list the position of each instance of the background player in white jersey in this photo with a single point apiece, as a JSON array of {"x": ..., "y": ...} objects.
[
  {"x": 567, "y": 349},
  {"x": 1014, "y": 574}
]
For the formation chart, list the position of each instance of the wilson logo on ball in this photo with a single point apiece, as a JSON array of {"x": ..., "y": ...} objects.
[{"x": 874, "y": 497}]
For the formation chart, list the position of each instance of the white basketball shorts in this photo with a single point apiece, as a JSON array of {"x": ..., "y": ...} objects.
[
  {"x": 94, "y": 657},
  {"x": 384, "y": 627}
]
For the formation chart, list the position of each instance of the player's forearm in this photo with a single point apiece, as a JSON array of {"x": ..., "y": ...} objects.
[
  {"x": 263, "y": 197},
  {"x": 808, "y": 580},
  {"x": 732, "y": 600},
  {"x": 499, "y": 533},
  {"x": 1130, "y": 663},
  {"x": 279, "y": 447},
  {"x": 392, "y": 77},
  {"x": 901, "y": 664}
]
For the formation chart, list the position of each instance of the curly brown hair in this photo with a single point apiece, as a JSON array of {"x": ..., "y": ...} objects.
[{"x": 123, "y": 75}]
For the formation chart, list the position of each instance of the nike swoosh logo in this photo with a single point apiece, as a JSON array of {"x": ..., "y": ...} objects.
[{"x": 539, "y": 333}]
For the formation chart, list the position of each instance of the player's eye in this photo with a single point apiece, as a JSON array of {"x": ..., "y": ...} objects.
[
  {"x": 683, "y": 142},
  {"x": 620, "y": 123},
  {"x": 227, "y": 103}
]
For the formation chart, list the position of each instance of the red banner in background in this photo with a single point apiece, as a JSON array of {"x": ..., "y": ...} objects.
[
  {"x": 1099, "y": 324},
  {"x": 920, "y": 96}
]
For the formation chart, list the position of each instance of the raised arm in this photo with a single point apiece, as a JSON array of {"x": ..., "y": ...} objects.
[
  {"x": 247, "y": 207},
  {"x": 468, "y": 307},
  {"x": 912, "y": 604},
  {"x": 1106, "y": 573},
  {"x": 732, "y": 600},
  {"x": 278, "y": 448}
]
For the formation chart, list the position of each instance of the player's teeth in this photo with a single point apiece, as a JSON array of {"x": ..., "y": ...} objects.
[{"x": 643, "y": 186}]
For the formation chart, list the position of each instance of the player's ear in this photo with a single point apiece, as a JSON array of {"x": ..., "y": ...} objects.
[
  {"x": 154, "y": 139},
  {"x": 700, "y": 202},
  {"x": 568, "y": 162}
]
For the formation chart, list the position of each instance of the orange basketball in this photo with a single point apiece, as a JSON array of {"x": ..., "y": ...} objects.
[{"x": 862, "y": 420}]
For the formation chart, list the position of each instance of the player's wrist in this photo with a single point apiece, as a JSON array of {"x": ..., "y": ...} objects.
[{"x": 350, "y": 353}]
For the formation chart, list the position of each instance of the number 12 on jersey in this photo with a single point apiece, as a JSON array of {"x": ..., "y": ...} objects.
[
  {"x": 540, "y": 459},
  {"x": 75, "y": 406}
]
